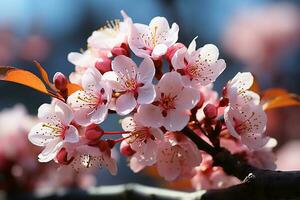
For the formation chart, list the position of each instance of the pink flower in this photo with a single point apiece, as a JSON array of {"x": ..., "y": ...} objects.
[
  {"x": 143, "y": 140},
  {"x": 153, "y": 40},
  {"x": 238, "y": 90},
  {"x": 171, "y": 106},
  {"x": 211, "y": 177},
  {"x": 177, "y": 156},
  {"x": 247, "y": 122},
  {"x": 91, "y": 104},
  {"x": 54, "y": 130},
  {"x": 199, "y": 67},
  {"x": 112, "y": 35},
  {"x": 134, "y": 84}
]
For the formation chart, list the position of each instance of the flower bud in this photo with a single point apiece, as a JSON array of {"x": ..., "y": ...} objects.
[
  {"x": 210, "y": 111},
  {"x": 62, "y": 157},
  {"x": 223, "y": 102},
  {"x": 104, "y": 146},
  {"x": 93, "y": 132},
  {"x": 125, "y": 149},
  {"x": 60, "y": 81},
  {"x": 103, "y": 65},
  {"x": 172, "y": 50},
  {"x": 122, "y": 50}
]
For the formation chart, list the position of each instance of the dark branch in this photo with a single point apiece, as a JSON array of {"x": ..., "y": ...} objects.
[{"x": 263, "y": 184}]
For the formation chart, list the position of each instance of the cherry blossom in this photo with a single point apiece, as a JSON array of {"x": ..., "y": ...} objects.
[
  {"x": 247, "y": 122},
  {"x": 143, "y": 140},
  {"x": 54, "y": 129},
  {"x": 152, "y": 40},
  {"x": 199, "y": 67},
  {"x": 177, "y": 156},
  {"x": 238, "y": 90},
  {"x": 91, "y": 104},
  {"x": 133, "y": 83},
  {"x": 91, "y": 157},
  {"x": 112, "y": 35},
  {"x": 171, "y": 105}
]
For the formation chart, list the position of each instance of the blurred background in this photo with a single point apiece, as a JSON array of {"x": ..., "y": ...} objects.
[{"x": 260, "y": 36}]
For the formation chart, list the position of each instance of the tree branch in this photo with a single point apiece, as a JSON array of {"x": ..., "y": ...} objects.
[{"x": 258, "y": 183}]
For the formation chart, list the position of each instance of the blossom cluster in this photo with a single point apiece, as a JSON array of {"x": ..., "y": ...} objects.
[{"x": 156, "y": 105}]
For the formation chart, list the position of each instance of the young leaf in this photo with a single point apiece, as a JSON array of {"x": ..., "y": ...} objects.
[
  {"x": 23, "y": 77},
  {"x": 44, "y": 75},
  {"x": 284, "y": 100}
]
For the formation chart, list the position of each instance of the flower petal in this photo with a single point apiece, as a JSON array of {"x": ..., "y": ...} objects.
[
  {"x": 91, "y": 80},
  {"x": 128, "y": 124},
  {"x": 159, "y": 50},
  {"x": 178, "y": 58},
  {"x": 71, "y": 135},
  {"x": 150, "y": 115},
  {"x": 146, "y": 71},
  {"x": 63, "y": 112},
  {"x": 51, "y": 150},
  {"x": 125, "y": 104},
  {"x": 188, "y": 98},
  {"x": 170, "y": 83},
  {"x": 176, "y": 120},
  {"x": 146, "y": 94},
  {"x": 124, "y": 66},
  {"x": 40, "y": 135},
  {"x": 209, "y": 53},
  {"x": 99, "y": 114}
]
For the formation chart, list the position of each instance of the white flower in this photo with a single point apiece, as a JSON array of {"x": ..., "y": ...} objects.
[
  {"x": 91, "y": 104},
  {"x": 54, "y": 130},
  {"x": 199, "y": 67},
  {"x": 238, "y": 90},
  {"x": 112, "y": 35},
  {"x": 171, "y": 106},
  {"x": 133, "y": 83},
  {"x": 153, "y": 40}
]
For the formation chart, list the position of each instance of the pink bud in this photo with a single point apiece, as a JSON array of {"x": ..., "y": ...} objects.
[
  {"x": 172, "y": 50},
  {"x": 210, "y": 111},
  {"x": 93, "y": 132},
  {"x": 62, "y": 157},
  {"x": 125, "y": 149},
  {"x": 60, "y": 81},
  {"x": 103, "y": 64},
  {"x": 122, "y": 50}
]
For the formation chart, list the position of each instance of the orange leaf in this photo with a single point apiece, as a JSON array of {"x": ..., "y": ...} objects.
[
  {"x": 282, "y": 101},
  {"x": 44, "y": 75},
  {"x": 72, "y": 87},
  {"x": 23, "y": 77},
  {"x": 273, "y": 93}
]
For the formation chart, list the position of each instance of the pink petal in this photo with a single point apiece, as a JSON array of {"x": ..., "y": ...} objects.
[
  {"x": 146, "y": 94},
  {"x": 187, "y": 98},
  {"x": 124, "y": 66},
  {"x": 91, "y": 80},
  {"x": 228, "y": 117},
  {"x": 51, "y": 150},
  {"x": 113, "y": 81},
  {"x": 192, "y": 46},
  {"x": 146, "y": 71},
  {"x": 170, "y": 83},
  {"x": 178, "y": 58},
  {"x": 63, "y": 112},
  {"x": 176, "y": 120},
  {"x": 254, "y": 140},
  {"x": 135, "y": 166},
  {"x": 125, "y": 104},
  {"x": 99, "y": 114},
  {"x": 150, "y": 115},
  {"x": 71, "y": 135},
  {"x": 128, "y": 124}
]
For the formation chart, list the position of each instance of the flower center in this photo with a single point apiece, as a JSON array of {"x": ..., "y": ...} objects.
[
  {"x": 193, "y": 71},
  {"x": 167, "y": 102},
  {"x": 130, "y": 84}
]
